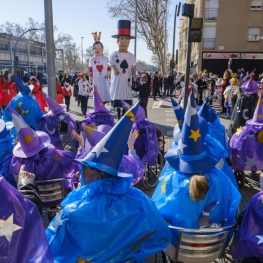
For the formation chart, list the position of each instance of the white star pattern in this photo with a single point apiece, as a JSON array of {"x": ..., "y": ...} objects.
[
  {"x": 250, "y": 162},
  {"x": 190, "y": 111},
  {"x": 100, "y": 148},
  {"x": 61, "y": 117},
  {"x": 177, "y": 107},
  {"x": 181, "y": 146},
  {"x": 260, "y": 239},
  {"x": 7, "y": 227},
  {"x": 58, "y": 221}
]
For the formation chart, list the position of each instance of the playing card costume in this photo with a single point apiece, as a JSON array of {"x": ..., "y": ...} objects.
[
  {"x": 100, "y": 69},
  {"x": 25, "y": 104},
  {"x": 244, "y": 107},
  {"x": 40, "y": 157},
  {"x": 22, "y": 234},
  {"x": 192, "y": 157},
  {"x": 245, "y": 146},
  {"x": 36, "y": 92},
  {"x": 49, "y": 122},
  {"x": 107, "y": 220},
  {"x": 121, "y": 85}
]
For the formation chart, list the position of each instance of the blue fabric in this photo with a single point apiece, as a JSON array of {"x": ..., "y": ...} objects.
[
  {"x": 107, "y": 221},
  {"x": 174, "y": 203}
]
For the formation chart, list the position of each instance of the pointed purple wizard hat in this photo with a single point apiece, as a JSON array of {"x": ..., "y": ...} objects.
[
  {"x": 191, "y": 155},
  {"x": 258, "y": 114},
  {"x": 54, "y": 107},
  {"x": 30, "y": 142},
  {"x": 140, "y": 115},
  {"x": 106, "y": 156},
  {"x": 250, "y": 86},
  {"x": 98, "y": 105}
]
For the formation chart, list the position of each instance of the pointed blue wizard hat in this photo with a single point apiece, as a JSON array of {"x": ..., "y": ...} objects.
[
  {"x": 179, "y": 114},
  {"x": 191, "y": 155},
  {"x": 206, "y": 111},
  {"x": 24, "y": 89},
  {"x": 106, "y": 156}
]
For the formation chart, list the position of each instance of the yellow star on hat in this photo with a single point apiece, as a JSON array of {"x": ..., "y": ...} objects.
[
  {"x": 239, "y": 130},
  {"x": 195, "y": 135},
  {"x": 259, "y": 116},
  {"x": 57, "y": 158},
  {"x": 130, "y": 114},
  {"x": 28, "y": 138},
  {"x": 180, "y": 123},
  {"x": 163, "y": 186},
  {"x": 89, "y": 128}
]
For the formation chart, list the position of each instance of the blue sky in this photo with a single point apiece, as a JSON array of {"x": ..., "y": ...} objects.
[{"x": 79, "y": 18}]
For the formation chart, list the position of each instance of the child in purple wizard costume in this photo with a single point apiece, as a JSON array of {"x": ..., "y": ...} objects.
[
  {"x": 39, "y": 155},
  {"x": 49, "y": 122},
  {"x": 215, "y": 141},
  {"x": 25, "y": 104},
  {"x": 122, "y": 64},
  {"x": 22, "y": 234},
  {"x": 130, "y": 163},
  {"x": 245, "y": 146},
  {"x": 191, "y": 185},
  {"x": 6, "y": 145},
  {"x": 146, "y": 144},
  {"x": 245, "y": 105},
  {"x": 99, "y": 115},
  {"x": 107, "y": 220}
]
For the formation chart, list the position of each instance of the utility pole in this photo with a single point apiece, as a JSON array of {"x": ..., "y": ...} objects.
[
  {"x": 50, "y": 49},
  {"x": 165, "y": 36},
  {"x": 135, "y": 29},
  {"x": 82, "y": 52}
]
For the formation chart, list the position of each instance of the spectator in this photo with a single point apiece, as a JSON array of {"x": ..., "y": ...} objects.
[
  {"x": 84, "y": 88},
  {"x": 171, "y": 83},
  {"x": 155, "y": 87},
  {"x": 67, "y": 92},
  {"x": 165, "y": 86}
]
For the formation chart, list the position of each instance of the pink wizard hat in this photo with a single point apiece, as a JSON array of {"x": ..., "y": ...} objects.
[
  {"x": 140, "y": 115},
  {"x": 54, "y": 107},
  {"x": 258, "y": 114},
  {"x": 98, "y": 105},
  {"x": 250, "y": 86},
  {"x": 30, "y": 142}
]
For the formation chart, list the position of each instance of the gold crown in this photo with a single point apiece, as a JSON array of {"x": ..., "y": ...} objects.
[{"x": 96, "y": 36}]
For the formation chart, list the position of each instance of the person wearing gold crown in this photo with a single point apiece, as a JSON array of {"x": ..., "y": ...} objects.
[
  {"x": 99, "y": 68},
  {"x": 122, "y": 63}
]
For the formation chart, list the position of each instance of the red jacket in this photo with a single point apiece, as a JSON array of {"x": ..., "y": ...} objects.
[{"x": 66, "y": 93}]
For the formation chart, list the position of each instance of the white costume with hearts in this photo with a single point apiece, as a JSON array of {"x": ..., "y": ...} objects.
[
  {"x": 121, "y": 85},
  {"x": 99, "y": 67}
]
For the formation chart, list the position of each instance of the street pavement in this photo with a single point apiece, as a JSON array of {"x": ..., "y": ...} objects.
[{"x": 161, "y": 114}]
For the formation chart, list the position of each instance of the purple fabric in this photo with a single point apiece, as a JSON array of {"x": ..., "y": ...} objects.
[
  {"x": 98, "y": 118},
  {"x": 245, "y": 150},
  {"x": 129, "y": 164},
  {"x": 49, "y": 163},
  {"x": 49, "y": 124},
  {"x": 146, "y": 144},
  {"x": 249, "y": 240},
  {"x": 28, "y": 242}
]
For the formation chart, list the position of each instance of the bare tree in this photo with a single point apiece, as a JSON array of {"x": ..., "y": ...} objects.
[
  {"x": 71, "y": 56},
  {"x": 151, "y": 22}
]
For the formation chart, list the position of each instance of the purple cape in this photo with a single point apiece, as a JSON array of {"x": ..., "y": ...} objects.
[
  {"x": 245, "y": 150},
  {"x": 146, "y": 144},
  {"x": 49, "y": 163},
  {"x": 49, "y": 124},
  {"x": 28, "y": 241}
]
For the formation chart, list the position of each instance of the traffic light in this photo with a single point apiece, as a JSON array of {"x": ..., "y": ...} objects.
[{"x": 196, "y": 30}]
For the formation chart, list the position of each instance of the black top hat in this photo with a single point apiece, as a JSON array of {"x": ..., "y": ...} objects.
[{"x": 124, "y": 29}]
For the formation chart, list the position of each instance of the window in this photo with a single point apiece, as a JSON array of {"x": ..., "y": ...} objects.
[
  {"x": 256, "y": 5},
  {"x": 211, "y": 9},
  {"x": 4, "y": 46},
  {"x": 20, "y": 48},
  {"x": 35, "y": 50},
  {"x": 209, "y": 36},
  {"x": 253, "y": 34}
]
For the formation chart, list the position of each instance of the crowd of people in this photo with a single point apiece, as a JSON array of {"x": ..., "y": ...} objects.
[{"x": 103, "y": 217}]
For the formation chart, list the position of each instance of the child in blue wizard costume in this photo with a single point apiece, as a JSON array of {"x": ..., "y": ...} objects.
[
  {"x": 190, "y": 183},
  {"x": 49, "y": 122},
  {"x": 106, "y": 220},
  {"x": 146, "y": 144},
  {"x": 25, "y": 104}
]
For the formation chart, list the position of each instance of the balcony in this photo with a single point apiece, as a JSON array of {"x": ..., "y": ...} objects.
[
  {"x": 211, "y": 13},
  {"x": 253, "y": 37},
  {"x": 209, "y": 43}
]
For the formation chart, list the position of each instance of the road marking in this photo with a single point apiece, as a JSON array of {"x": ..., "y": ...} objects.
[
  {"x": 169, "y": 111},
  {"x": 170, "y": 115}
]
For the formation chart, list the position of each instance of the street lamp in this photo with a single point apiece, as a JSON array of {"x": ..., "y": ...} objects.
[
  {"x": 82, "y": 51},
  {"x": 32, "y": 29}
]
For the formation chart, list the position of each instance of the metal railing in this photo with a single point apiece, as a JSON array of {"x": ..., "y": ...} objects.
[
  {"x": 253, "y": 37},
  {"x": 209, "y": 43},
  {"x": 211, "y": 13}
]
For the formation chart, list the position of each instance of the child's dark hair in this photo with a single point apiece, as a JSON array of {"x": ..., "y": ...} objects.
[{"x": 97, "y": 42}]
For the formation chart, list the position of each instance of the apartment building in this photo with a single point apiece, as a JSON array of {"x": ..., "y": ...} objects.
[
  {"x": 232, "y": 33},
  {"x": 29, "y": 55}
]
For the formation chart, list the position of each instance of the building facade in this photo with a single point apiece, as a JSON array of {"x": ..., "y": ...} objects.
[
  {"x": 232, "y": 35},
  {"x": 29, "y": 55}
]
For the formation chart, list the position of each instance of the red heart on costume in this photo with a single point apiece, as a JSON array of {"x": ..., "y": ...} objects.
[{"x": 99, "y": 67}]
